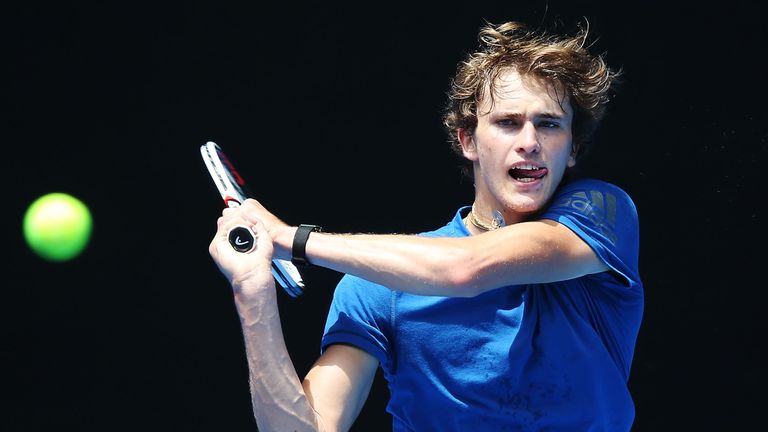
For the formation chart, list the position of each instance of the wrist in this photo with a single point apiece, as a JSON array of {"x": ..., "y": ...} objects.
[
  {"x": 299, "y": 244},
  {"x": 253, "y": 290},
  {"x": 256, "y": 309},
  {"x": 283, "y": 240}
]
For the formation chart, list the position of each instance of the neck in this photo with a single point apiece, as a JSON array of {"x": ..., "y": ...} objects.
[{"x": 483, "y": 223}]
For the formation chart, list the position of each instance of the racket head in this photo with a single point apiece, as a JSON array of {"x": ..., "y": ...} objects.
[{"x": 228, "y": 181}]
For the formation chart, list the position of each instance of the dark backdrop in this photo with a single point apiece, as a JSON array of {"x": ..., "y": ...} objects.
[{"x": 333, "y": 113}]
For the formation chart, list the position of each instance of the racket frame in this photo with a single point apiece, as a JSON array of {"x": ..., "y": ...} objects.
[{"x": 234, "y": 192}]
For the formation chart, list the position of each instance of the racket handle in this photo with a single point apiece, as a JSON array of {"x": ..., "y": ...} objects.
[{"x": 242, "y": 239}]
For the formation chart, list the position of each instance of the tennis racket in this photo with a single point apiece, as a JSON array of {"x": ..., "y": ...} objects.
[{"x": 234, "y": 191}]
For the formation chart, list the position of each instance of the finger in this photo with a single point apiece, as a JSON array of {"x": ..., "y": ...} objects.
[
  {"x": 262, "y": 238},
  {"x": 258, "y": 228},
  {"x": 234, "y": 215},
  {"x": 224, "y": 223}
]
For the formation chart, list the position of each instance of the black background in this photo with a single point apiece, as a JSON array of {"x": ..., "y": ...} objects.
[{"x": 332, "y": 112}]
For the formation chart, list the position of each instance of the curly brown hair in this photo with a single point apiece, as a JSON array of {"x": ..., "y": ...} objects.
[{"x": 562, "y": 61}]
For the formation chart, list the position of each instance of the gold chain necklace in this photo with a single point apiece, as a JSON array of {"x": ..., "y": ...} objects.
[{"x": 497, "y": 222}]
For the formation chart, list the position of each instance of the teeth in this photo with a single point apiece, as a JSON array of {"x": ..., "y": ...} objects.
[
  {"x": 526, "y": 167},
  {"x": 526, "y": 179}
]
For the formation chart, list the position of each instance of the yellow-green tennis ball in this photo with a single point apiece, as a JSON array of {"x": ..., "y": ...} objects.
[{"x": 57, "y": 226}]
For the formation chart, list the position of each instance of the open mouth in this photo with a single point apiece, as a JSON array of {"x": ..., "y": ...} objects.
[{"x": 527, "y": 173}]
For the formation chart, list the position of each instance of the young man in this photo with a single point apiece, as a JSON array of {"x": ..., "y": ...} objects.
[{"x": 520, "y": 314}]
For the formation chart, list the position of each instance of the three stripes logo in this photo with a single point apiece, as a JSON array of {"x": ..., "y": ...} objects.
[{"x": 599, "y": 207}]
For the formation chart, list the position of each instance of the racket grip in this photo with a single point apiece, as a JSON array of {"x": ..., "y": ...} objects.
[{"x": 242, "y": 239}]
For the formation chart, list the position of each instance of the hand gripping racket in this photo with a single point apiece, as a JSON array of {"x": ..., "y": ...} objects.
[{"x": 234, "y": 191}]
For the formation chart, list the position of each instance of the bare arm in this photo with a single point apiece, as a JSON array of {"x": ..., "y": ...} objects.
[
  {"x": 331, "y": 395},
  {"x": 527, "y": 252},
  {"x": 335, "y": 389},
  {"x": 338, "y": 384},
  {"x": 277, "y": 396}
]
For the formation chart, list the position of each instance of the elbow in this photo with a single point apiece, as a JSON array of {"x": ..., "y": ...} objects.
[
  {"x": 461, "y": 277},
  {"x": 463, "y": 284}
]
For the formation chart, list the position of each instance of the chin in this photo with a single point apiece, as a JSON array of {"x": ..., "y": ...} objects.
[{"x": 526, "y": 205}]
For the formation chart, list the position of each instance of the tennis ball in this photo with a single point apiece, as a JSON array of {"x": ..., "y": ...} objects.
[{"x": 57, "y": 226}]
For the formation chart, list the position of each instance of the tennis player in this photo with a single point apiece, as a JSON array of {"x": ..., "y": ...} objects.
[{"x": 520, "y": 313}]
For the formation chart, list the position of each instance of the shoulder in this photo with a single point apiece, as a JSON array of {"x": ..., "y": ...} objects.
[
  {"x": 598, "y": 211},
  {"x": 593, "y": 196},
  {"x": 591, "y": 184}
]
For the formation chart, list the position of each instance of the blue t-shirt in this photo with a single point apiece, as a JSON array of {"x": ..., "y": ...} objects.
[{"x": 551, "y": 356}]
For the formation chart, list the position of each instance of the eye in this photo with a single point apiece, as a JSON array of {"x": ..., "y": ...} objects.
[
  {"x": 507, "y": 122},
  {"x": 549, "y": 124}
]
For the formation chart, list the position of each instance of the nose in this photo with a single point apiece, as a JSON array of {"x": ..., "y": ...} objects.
[{"x": 528, "y": 139}]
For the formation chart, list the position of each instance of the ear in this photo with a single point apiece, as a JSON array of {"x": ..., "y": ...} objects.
[
  {"x": 467, "y": 141},
  {"x": 572, "y": 157},
  {"x": 571, "y": 160}
]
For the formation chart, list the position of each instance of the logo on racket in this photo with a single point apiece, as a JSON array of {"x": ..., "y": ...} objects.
[{"x": 242, "y": 239}]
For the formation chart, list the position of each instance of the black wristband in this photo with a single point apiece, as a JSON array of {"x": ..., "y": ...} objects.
[{"x": 299, "y": 249}]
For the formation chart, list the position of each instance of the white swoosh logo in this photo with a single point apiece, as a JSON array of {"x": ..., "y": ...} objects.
[{"x": 240, "y": 243}]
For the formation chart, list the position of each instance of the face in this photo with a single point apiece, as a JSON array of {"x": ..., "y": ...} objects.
[{"x": 520, "y": 148}]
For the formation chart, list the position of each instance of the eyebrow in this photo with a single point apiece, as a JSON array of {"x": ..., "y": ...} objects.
[
  {"x": 547, "y": 114},
  {"x": 552, "y": 115}
]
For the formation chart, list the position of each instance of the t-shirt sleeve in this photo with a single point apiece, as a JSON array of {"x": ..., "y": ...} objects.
[
  {"x": 605, "y": 217},
  {"x": 360, "y": 315}
]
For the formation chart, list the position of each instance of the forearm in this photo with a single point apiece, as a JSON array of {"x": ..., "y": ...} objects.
[
  {"x": 277, "y": 395},
  {"x": 418, "y": 265}
]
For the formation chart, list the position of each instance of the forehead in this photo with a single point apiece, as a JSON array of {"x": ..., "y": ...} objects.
[{"x": 513, "y": 92}]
